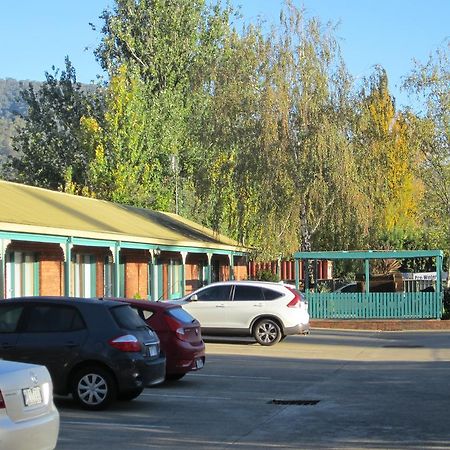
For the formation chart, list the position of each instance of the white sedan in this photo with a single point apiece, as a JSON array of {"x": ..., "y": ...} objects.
[{"x": 28, "y": 416}]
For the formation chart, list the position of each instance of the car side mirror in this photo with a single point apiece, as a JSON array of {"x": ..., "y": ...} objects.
[{"x": 193, "y": 298}]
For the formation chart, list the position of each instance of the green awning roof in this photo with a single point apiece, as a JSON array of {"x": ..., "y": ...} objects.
[{"x": 36, "y": 210}]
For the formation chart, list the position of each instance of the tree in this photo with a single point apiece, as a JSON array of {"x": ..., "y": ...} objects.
[
  {"x": 430, "y": 82},
  {"x": 387, "y": 160},
  {"x": 313, "y": 125},
  {"x": 275, "y": 142},
  {"x": 48, "y": 142},
  {"x": 161, "y": 50},
  {"x": 127, "y": 167},
  {"x": 225, "y": 136}
]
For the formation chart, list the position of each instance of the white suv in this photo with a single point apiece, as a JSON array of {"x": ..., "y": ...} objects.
[{"x": 267, "y": 311}]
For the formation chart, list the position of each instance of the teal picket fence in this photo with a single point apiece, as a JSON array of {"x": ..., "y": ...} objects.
[{"x": 379, "y": 305}]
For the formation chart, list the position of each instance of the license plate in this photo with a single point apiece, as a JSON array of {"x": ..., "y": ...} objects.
[
  {"x": 152, "y": 350},
  {"x": 199, "y": 363},
  {"x": 32, "y": 396}
]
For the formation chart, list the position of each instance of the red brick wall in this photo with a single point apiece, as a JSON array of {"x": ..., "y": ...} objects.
[
  {"x": 51, "y": 274},
  {"x": 99, "y": 271},
  {"x": 136, "y": 273},
  {"x": 240, "y": 269},
  {"x": 193, "y": 262}
]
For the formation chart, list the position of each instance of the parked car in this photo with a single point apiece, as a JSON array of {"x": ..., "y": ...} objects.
[
  {"x": 28, "y": 416},
  {"x": 267, "y": 311},
  {"x": 97, "y": 351},
  {"x": 179, "y": 333},
  {"x": 350, "y": 287}
]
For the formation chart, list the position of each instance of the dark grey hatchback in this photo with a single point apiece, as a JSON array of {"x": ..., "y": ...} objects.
[{"x": 98, "y": 351}]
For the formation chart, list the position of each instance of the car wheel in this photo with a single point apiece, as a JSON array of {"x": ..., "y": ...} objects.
[
  {"x": 127, "y": 396},
  {"x": 267, "y": 332},
  {"x": 174, "y": 376},
  {"x": 93, "y": 388}
]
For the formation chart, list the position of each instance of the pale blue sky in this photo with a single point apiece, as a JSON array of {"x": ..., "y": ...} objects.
[{"x": 36, "y": 34}]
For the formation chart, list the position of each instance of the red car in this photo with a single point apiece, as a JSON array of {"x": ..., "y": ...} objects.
[{"x": 179, "y": 333}]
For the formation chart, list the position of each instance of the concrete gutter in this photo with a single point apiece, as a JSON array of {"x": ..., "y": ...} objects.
[{"x": 382, "y": 325}]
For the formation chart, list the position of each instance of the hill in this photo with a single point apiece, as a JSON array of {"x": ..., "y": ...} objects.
[{"x": 12, "y": 107}]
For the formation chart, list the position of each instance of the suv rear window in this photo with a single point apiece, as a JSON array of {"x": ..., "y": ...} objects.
[
  {"x": 271, "y": 295},
  {"x": 181, "y": 315},
  {"x": 126, "y": 318}
]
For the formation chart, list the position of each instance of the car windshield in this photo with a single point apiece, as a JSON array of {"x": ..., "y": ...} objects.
[
  {"x": 126, "y": 318},
  {"x": 181, "y": 315}
]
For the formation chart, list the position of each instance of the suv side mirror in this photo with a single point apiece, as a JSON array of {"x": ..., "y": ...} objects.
[{"x": 193, "y": 298}]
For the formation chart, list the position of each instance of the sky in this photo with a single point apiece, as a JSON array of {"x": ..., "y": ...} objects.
[{"x": 37, "y": 34}]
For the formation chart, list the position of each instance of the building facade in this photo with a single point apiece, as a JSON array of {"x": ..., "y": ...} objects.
[{"x": 52, "y": 243}]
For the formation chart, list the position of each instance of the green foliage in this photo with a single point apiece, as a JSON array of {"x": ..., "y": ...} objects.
[
  {"x": 47, "y": 144},
  {"x": 387, "y": 162},
  {"x": 127, "y": 166},
  {"x": 12, "y": 109},
  {"x": 430, "y": 133},
  {"x": 267, "y": 275},
  {"x": 259, "y": 135}
]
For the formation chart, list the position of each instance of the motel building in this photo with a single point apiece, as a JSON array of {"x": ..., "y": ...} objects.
[{"x": 53, "y": 244}]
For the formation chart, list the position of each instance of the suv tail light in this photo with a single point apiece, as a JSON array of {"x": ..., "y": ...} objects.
[
  {"x": 295, "y": 302},
  {"x": 126, "y": 343},
  {"x": 2, "y": 401},
  {"x": 176, "y": 327}
]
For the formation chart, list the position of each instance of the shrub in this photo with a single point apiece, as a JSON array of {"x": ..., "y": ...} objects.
[{"x": 267, "y": 275}]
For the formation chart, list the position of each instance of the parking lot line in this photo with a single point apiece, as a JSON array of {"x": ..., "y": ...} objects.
[
  {"x": 125, "y": 426},
  {"x": 196, "y": 397},
  {"x": 231, "y": 376}
]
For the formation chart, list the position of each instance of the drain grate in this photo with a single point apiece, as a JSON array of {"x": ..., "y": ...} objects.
[{"x": 294, "y": 402}]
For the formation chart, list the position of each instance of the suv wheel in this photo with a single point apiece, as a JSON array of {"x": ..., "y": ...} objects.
[
  {"x": 93, "y": 388},
  {"x": 267, "y": 332}
]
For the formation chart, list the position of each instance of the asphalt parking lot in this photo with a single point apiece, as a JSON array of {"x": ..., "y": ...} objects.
[{"x": 331, "y": 390}]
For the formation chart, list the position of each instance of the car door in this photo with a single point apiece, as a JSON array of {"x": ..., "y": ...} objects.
[
  {"x": 248, "y": 303},
  {"x": 10, "y": 315},
  {"x": 52, "y": 335},
  {"x": 211, "y": 305}
]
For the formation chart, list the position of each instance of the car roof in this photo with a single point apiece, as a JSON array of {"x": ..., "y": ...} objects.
[
  {"x": 149, "y": 304},
  {"x": 255, "y": 282},
  {"x": 61, "y": 300}
]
